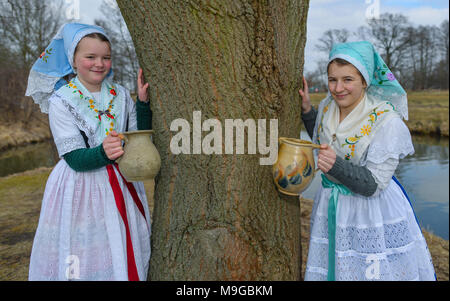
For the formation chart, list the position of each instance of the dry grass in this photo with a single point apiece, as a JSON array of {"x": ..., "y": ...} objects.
[
  {"x": 15, "y": 130},
  {"x": 428, "y": 111},
  {"x": 20, "y": 203}
]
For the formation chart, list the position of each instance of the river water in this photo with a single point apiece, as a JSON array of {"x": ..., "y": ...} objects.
[{"x": 424, "y": 176}]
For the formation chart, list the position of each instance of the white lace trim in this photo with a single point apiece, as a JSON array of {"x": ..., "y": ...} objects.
[
  {"x": 82, "y": 124},
  {"x": 79, "y": 218},
  {"x": 68, "y": 144},
  {"x": 400, "y": 254},
  {"x": 383, "y": 172},
  {"x": 399, "y": 101},
  {"x": 393, "y": 141},
  {"x": 40, "y": 87}
]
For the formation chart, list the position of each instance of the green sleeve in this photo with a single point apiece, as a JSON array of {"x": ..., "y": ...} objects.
[
  {"x": 358, "y": 179},
  {"x": 85, "y": 159},
  {"x": 143, "y": 115}
]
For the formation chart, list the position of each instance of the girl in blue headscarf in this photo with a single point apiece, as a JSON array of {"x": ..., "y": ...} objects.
[
  {"x": 93, "y": 225},
  {"x": 362, "y": 224}
]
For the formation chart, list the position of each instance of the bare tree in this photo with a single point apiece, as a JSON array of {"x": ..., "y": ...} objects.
[
  {"x": 27, "y": 26},
  {"x": 442, "y": 68},
  {"x": 331, "y": 37},
  {"x": 389, "y": 35},
  {"x": 424, "y": 56},
  {"x": 443, "y": 40}
]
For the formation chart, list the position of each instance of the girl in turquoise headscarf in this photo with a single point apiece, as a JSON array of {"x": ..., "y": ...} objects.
[
  {"x": 362, "y": 224},
  {"x": 93, "y": 225}
]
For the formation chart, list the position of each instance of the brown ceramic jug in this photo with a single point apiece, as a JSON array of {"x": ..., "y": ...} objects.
[
  {"x": 141, "y": 160},
  {"x": 295, "y": 167}
]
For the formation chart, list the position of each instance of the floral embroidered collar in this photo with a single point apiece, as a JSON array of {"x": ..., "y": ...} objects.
[
  {"x": 351, "y": 137},
  {"x": 102, "y": 113}
]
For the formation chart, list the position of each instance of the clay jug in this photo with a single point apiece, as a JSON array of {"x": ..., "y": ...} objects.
[
  {"x": 295, "y": 168},
  {"x": 141, "y": 160}
]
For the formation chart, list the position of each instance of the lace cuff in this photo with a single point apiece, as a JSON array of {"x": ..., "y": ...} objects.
[
  {"x": 383, "y": 172},
  {"x": 66, "y": 134},
  {"x": 68, "y": 144},
  {"x": 40, "y": 87},
  {"x": 393, "y": 140},
  {"x": 391, "y": 143}
]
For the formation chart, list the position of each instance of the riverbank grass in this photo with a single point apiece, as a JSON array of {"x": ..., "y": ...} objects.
[{"x": 428, "y": 111}]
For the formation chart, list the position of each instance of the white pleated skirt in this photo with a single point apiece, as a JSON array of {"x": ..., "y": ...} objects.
[
  {"x": 377, "y": 238},
  {"x": 81, "y": 234}
]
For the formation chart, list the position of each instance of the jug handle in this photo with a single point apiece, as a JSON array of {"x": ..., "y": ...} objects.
[
  {"x": 123, "y": 137},
  {"x": 313, "y": 145}
]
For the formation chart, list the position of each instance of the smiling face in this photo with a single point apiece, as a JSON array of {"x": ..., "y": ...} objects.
[
  {"x": 92, "y": 61},
  {"x": 346, "y": 85}
]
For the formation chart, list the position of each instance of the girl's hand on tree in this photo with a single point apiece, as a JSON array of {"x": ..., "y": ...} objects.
[
  {"x": 306, "y": 101},
  {"x": 113, "y": 146},
  {"x": 142, "y": 88},
  {"x": 326, "y": 158}
]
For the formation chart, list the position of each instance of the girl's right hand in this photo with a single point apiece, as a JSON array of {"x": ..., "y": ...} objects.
[
  {"x": 113, "y": 146},
  {"x": 306, "y": 101}
]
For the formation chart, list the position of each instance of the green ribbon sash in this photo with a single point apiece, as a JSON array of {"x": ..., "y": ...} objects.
[{"x": 336, "y": 189}]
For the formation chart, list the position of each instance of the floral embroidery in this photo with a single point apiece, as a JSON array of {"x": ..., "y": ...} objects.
[
  {"x": 45, "y": 54},
  {"x": 99, "y": 113},
  {"x": 365, "y": 131},
  {"x": 384, "y": 73},
  {"x": 374, "y": 115},
  {"x": 390, "y": 76}
]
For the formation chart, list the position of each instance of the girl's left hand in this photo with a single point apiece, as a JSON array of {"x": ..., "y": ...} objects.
[
  {"x": 326, "y": 158},
  {"x": 142, "y": 88}
]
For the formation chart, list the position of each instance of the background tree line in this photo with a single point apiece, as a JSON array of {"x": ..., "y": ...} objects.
[
  {"x": 417, "y": 54},
  {"x": 27, "y": 27}
]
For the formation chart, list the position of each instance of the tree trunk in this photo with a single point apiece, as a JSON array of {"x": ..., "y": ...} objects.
[{"x": 220, "y": 217}]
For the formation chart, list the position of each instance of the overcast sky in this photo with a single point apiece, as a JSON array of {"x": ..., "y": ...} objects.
[{"x": 335, "y": 14}]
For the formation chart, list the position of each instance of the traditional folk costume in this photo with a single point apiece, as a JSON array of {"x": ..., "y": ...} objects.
[
  {"x": 377, "y": 236},
  {"x": 93, "y": 224}
]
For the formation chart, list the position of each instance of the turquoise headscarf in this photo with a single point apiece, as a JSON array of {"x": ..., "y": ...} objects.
[
  {"x": 56, "y": 61},
  {"x": 381, "y": 82}
]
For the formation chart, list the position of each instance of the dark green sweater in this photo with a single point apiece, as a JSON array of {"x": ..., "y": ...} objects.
[
  {"x": 358, "y": 179},
  {"x": 85, "y": 159}
]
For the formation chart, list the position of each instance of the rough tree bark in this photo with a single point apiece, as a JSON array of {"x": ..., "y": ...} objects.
[{"x": 220, "y": 217}]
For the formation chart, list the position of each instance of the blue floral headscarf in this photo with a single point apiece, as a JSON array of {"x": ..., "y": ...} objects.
[
  {"x": 46, "y": 75},
  {"x": 381, "y": 82}
]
